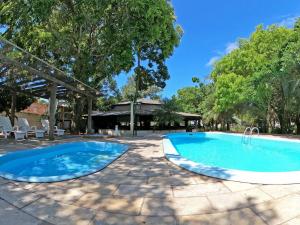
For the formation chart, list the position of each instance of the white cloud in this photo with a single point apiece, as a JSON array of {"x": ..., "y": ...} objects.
[
  {"x": 212, "y": 61},
  {"x": 288, "y": 21},
  {"x": 231, "y": 46}
]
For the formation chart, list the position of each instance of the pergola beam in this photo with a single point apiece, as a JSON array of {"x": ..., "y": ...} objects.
[
  {"x": 43, "y": 75},
  {"x": 89, "y": 120}
]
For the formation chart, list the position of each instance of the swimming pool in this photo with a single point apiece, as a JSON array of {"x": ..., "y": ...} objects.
[
  {"x": 228, "y": 156},
  {"x": 59, "y": 162}
]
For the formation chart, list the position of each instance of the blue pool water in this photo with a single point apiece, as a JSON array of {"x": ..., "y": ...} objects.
[
  {"x": 230, "y": 152},
  {"x": 59, "y": 162}
]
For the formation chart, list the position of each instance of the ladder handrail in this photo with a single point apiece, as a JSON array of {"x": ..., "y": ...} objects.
[
  {"x": 247, "y": 128},
  {"x": 250, "y": 129},
  {"x": 254, "y": 128}
]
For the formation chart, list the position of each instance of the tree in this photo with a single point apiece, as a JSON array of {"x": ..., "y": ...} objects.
[
  {"x": 79, "y": 37},
  {"x": 92, "y": 40},
  {"x": 167, "y": 115},
  {"x": 153, "y": 37},
  {"x": 287, "y": 79},
  {"x": 252, "y": 87},
  {"x": 129, "y": 90},
  {"x": 189, "y": 99},
  {"x": 22, "y": 102}
]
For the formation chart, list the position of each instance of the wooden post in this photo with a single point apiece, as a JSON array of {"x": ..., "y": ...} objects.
[
  {"x": 53, "y": 89},
  {"x": 132, "y": 118},
  {"x": 63, "y": 117},
  {"x": 13, "y": 107},
  {"x": 89, "y": 120}
]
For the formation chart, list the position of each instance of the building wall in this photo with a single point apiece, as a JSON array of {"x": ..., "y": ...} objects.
[{"x": 33, "y": 119}]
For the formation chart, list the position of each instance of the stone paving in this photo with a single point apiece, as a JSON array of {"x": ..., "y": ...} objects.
[{"x": 142, "y": 187}]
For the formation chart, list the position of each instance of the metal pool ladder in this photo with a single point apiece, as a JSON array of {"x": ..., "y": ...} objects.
[{"x": 246, "y": 138}]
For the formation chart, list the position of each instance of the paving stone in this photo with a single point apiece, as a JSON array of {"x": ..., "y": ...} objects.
[
  {"x": 237, "y": 217},
  {"x": 143, "y": 191},
  {"x": 149, "y": 172},
  {"x": 238, "y": 200},
  {"x": 136, "y": 189},
  {"x": 115, "y": 204},
  {"x": 181, "y": 172},
  {"x": 278, "y": 191},
  {"x": 25, "y": 185},
  {"x": 280, "y": 210},
  {"x": 58, "y": 213},
  {"x": 115, "y": 171},
  {"x": 295, "y": 221},
  {"x": 175, "y": 206},
  {"x": 10, "y": 215},
  {"x": 238, "y": 186},
  {"x": 118, "y": 179},
  {"x": 17, "y": 195},
  {"x": 95, "y": 186},
  {"x": 171, "y": 180},
  {"x": 63, "y": 195},
  {"x": 199, "y": 190},
  {"x": 94, "y": 176},
  {"x": 104, "y": 218}
]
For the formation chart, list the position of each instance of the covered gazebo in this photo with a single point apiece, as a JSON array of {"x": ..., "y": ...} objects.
[{"x": 22, "y": 72}]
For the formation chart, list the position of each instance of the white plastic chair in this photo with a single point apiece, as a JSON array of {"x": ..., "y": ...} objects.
[
  {"x": 57, "y": 131},
  {"x": 6, "y": 128},
  {"x": 24, "y": 126}
]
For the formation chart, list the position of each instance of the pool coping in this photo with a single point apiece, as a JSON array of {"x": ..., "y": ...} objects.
[
  {"x": 51, "y": 179},
  {"x": 173, "y": 156}
]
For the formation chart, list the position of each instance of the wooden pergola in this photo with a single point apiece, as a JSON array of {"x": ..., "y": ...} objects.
[{"x": 22, "y": 72}]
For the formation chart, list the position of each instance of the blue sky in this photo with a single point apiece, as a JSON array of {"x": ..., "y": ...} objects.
[{"x": 211, "y": 28}]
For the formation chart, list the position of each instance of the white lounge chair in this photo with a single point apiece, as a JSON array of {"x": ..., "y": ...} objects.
[
  {"x": 6, "y": 128},
  {"x": 57, "y": 131},
  {"x": 24, "y": 126}
]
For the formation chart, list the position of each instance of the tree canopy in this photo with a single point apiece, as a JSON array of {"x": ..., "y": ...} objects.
[
  {"x": 257, "y": 83},
  {"x": 94, "y": 40}
]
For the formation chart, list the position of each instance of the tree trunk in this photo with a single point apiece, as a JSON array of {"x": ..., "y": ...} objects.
[
  {"x": 53, "y": 90},
  {"x": 77, "y": 125},
  {"x": 298, "y": 124},
  {"x": 13, "y": 107},
  {"x": 137, "y": 87},
  {"x": 228, "y": 126}
]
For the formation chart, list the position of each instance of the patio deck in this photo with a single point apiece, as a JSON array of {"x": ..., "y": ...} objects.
[{"x": 142, "y": 187}]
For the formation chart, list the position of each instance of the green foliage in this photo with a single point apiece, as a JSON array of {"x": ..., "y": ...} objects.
[
  {"x": 94, "y": 40},
  {"x": 188, "y": 99},
  {"x": 23, "y": 101},
  {"x": 167, "y": 114},
  {"x": 258, "y": 83},
  {"x": 104, "y": 104},
  {"x": 248, "y": 79},
  {"x": 128, "y": 91},
  {"x": 229, "y": 92}
]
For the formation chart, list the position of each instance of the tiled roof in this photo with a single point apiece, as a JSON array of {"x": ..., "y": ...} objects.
[
  {"x": 142, "y": 101},
  {"x": 36, "y": 108}
]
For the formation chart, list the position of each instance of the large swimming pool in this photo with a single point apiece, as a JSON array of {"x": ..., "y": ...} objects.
[
  {"x": 230, "y": 156},
  {"x": 59, "y": 162}
]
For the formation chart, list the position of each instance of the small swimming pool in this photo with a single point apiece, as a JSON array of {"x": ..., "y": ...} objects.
[
  {"x": 229, "y": 156},
  {"x": 59, "y": 162}
]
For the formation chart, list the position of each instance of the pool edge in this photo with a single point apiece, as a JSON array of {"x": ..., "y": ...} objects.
[
  {"x": 53, "y": 179},
  {"x": 173, "y": 156}
]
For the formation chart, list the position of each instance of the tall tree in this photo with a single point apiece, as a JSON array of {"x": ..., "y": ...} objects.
[
  {"x": 128, "y": 91},
  {"x": 167, "y": 114},
  {"x": 92, "y": 39}
]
